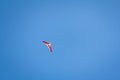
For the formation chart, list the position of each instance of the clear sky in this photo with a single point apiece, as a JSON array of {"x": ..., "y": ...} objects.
[{"x": 85, "y": 37}]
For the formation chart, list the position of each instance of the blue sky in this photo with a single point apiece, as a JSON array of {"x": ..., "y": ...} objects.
[{"x": 85, "y": 37}]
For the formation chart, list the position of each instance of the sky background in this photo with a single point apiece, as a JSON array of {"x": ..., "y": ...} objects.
[{"x": 85, "y": 37}]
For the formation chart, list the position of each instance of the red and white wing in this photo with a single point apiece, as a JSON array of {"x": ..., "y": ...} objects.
[
  {"x": 50, "y": 48},
  {"x": 48, "y": 45}
]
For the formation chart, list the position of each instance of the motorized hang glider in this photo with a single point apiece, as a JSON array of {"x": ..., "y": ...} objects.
[{"x": 48, "y": 44}]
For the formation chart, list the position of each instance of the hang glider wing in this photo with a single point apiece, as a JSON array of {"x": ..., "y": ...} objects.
[{"x": 48, "y": 45}]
